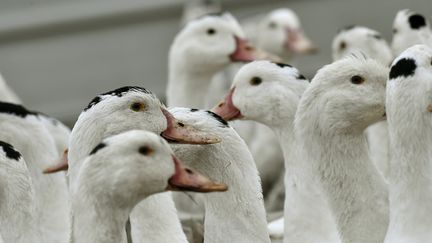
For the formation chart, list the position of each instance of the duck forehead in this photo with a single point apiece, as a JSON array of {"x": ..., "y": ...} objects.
[
  {"x": 225, "y": 22},
  {"x": 133, "y": 139},
  {"x": 285, "y": 17},
  {"x": 201, "y": 119}
]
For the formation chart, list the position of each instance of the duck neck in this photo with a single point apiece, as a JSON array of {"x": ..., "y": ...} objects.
[
  {"x": 17, "y": 220},
  {"x": 237, "y": 215},
  {"x": 88, "y": 211},
  {"x": 410, "y": 184},
  {"x": 354, "y": 189},
  {"x": 188, "y": 87}
]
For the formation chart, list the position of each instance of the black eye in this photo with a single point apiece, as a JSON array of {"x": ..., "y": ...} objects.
[
  {"x": 145, "y": 150},
  {"x": 211, "y": 31},
  {"x": 357, "y": 79},
  {"x": 255, "y": 81},
  {"x": 342, "y": 45},
  {"x": 137, "y": 106},
  {"x": 394, "y": 30},
  {"x": 272, "y": 25}
]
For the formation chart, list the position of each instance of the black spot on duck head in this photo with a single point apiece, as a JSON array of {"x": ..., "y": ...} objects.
[
  {"x": 15, "y": 109},
  {"x": 97, "y": 148},
  {"x": 405, "y": 67},
  {"x": 417, "y": 21},
  {"x": 219, "y": 119},
  {"x": 119, "y": 93},
  {"x": 10, "y": 151}
]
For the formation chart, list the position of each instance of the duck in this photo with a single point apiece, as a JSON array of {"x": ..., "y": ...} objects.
[
  {"x": 410, "y": 28},
  {"x": 18, "y": 222},
  {"x": 123, "y": 109},
  {"x": 119, "y": 173},
  {"x": 408, "y": 107},
  {"x": 344, "y": 98},
  {"x": 24, "y": 129},
  {"x": 269, "y": 93},
  {"x": 354, "y": 39},
  {"x": 201, "y": 49},
  {"x": 357, "y": 38},
  {"x": 287, "y": 35},
  {"x": 229, "y": 162}
]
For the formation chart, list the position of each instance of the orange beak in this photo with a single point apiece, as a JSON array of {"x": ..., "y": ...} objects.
[
  {"x": 226, "y": 108},
  {"x": 186, "y": 179},
  {"x": 298, "y": 43},
  {"x": 60, "y": 165},
  {"x": 179, "y": 132},
  {"x": 245, "y": 52}
]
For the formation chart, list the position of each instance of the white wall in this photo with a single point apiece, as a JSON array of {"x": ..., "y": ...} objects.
[{"x": 58, "y": 55}]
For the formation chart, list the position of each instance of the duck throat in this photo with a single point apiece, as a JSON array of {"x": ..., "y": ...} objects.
[
  {"x": 355, "y": 191},
  {"x": 97, "y": 220},
  {"x": 187, "y": 88}
]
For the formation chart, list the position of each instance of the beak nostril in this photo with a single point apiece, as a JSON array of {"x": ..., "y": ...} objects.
[
  {"x": 180, "y": 124},
  {"x": 189, "y": 171},
  {"x": 249, "y": 48},
  {"x": 221, "y": 104}
]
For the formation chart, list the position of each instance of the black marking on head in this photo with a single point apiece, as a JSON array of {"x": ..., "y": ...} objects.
[
  {"x": 15, "y": 109},
  {"x": 218, "y": 118},
  {"x": 10, "y": 151},
  {"x": 301, "y": 77},
  {"x": 346, "y": 28},
  {"x": 194, "y": 110},
  {"x": 119, "y": 93},
  {"x": 404, "y": 67},
  {"x": 417, "y": 21},
  {"x": 282, "y": 65},
  {"x": 97, "y": 148}
]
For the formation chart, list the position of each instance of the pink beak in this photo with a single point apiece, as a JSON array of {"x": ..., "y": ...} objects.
[
  {"x": 186, "y": 179},
  {"x": 245, "y": 52},
  {"x": 226, "y": 109},
  {"x": 60, "y": 165},
  {"x": 179, "y": 132},
  {"x": 298, "y": 43}
]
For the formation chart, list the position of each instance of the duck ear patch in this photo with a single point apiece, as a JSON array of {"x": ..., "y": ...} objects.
[
  {"x": 417, "y": 21},
  {"x": 405, "y": 67}
]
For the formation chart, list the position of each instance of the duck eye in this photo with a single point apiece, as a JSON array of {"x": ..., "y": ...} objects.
[
  {"x": 255, "y": 81},
  {"x": 394, "y": 30},
  {"x": 357, "y": 79},
  {"x": 342, "y": 45},
  {"x": 211, "y": 31},
  {"x": 272, "y": 25},
  {"x": 137, "y": 106},
  {"x": 145, "y": 150}
]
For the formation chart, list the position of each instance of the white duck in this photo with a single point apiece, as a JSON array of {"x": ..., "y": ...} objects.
[
  {"x": 117, "y": 175},
  {"x": 17, "y": 207},
  {"x": 354, "y": 39},
  {"x": 410, "y": 28},
  {"x": 201, "y": 49},
  {"x": 237, "y": 215},
  {"x": 280, "y": 33},
  {"x": 269, "y": 93},
  {"x": 24, "y": 129},
  {"x": 344, "y": 98},
  {"x": 125, "y": 109},
  {"x": 409, "y": 117}
]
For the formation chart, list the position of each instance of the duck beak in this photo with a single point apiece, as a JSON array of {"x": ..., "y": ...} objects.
[
  {"x": 298, "y": 43},
  {"x": 245, "y": 52},
  {"x": 60, "y": 165},
  {"x": 186, "y": 179},
  {"x": 179, "y": 132},
  {"x": 226, "y": 108}
]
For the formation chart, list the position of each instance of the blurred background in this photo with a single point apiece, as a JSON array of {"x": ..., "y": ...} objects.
[{"x": 58, "y": 54}]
